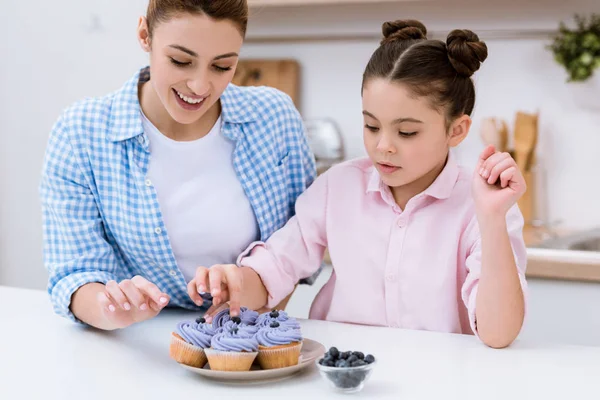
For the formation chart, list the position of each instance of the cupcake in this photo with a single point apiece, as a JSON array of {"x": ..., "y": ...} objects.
[
  {"x": 234, "y": 349},
  {"x": 278, "y": 346},
  {"x": 266, "y": 319},
  {"x": 247, "y": 317},
  {"x": 189, "y": 341}
]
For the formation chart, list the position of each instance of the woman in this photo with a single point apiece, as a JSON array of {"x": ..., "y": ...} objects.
[{"x": 177, "y": 169}]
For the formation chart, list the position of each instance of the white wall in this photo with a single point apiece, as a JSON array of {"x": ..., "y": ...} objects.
[{"x": 52, "y": 58}]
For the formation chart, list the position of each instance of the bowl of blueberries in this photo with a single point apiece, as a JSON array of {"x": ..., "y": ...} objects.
[{"x": 346, "y": 371}]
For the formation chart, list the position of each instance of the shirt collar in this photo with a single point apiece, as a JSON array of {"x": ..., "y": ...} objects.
[
  {"x": 441, "y": 188},
  {"x": 125, "y": 120}
]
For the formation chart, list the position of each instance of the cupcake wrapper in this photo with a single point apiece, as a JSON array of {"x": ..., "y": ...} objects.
[
  {"x": 279, "y": 357},
  {"x": 186, "y": 353},
  {"x": 229, "y": 361}
]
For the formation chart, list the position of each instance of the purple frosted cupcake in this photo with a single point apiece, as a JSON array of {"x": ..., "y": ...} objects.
[
  {"x": 234, "y": 349},
  {"x": 279, "y": 346},
  {"x": 189, "y": 340}
]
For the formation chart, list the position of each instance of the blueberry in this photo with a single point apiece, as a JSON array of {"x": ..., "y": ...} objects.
[
  {"x": 330, "y": 363},
  {"x": 335, "y": 353},
  {"x": 274, "y": 314},
  {"x": 206, "y": 296},
  {"x": 237, "y": 320},
  {"x": 352, "y": 358},
  {"x": 345, "y": 355},
  {"x": 200, "y": 320},
  {"x": 359, "y": 363},
  {"x": 274, "y": 324},
  {"x": 235, "y": 330},
  {"x": 322, "y": 361},
  {"x": 358, "y": 354},
  {"x": 370, "y": 359},
  {"x": 341, "y": 364}
]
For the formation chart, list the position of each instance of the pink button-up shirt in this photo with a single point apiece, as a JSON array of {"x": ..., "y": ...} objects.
[{"x": 416, "y": 268}]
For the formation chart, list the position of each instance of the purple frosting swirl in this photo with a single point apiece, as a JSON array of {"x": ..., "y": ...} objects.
[
  {"x": 229, "y": 325},
  {"x": 269, "y": 337},
  {"x": 247, "y": 316},
  {"x": 235, "y": 340},
  {"x": 265, "y": 320},
  {"x": 196, "y": 334}
]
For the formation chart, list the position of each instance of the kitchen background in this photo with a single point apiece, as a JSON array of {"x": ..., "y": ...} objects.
[{"x": 57, "y": 52}]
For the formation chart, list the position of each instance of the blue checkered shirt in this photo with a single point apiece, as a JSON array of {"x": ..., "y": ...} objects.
[{"x": 102, "y": 219}]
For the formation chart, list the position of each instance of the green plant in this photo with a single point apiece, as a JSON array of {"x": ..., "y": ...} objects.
[{"x": 578, "y": 50}]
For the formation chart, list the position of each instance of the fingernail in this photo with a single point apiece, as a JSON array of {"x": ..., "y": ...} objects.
[
  {"x": 214, "y": 292},
  {"x": 144, "y": 307},
  {"x": 127, "y": 306},
  {"x": 486, "y": 174},
  {"x": 201, "y": 289},
  {"x": 163, "y": 300},
  {"x": 111, "y": 308},
  {"x": 208, "y": 319},
  {"x": 481, "y": 172}
]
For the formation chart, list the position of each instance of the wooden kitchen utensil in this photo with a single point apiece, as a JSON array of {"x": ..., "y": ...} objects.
[
  {"x": 280, "y": 74},
  {"x": 495, "y": 132},
  {"x": 526, "y": 133}
]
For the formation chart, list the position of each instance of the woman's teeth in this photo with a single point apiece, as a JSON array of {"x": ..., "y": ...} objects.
[{"x": 189, "y": 100}]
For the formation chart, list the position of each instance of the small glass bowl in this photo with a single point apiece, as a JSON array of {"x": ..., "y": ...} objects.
[{"x": 346, "y": 380}]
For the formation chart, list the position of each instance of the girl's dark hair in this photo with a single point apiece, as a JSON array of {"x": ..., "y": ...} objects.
[
  {"x": 430, "y": 68},
  {"x": 235, "y": 11}
]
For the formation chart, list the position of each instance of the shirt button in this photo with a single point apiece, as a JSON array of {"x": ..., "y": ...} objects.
[
  {"x": 391, "y": 278},
  {"x": 148, "y": 182},
  {"x": 173, "y": 272},
  {"x": 158, "y": 231},
  {"x": 401, "y": 223}
]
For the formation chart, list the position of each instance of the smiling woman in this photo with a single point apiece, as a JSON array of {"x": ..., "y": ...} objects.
[{"x": 177, "y": 170}]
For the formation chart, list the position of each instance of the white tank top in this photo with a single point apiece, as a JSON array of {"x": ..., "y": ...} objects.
[{"x": 207, "y": 214}]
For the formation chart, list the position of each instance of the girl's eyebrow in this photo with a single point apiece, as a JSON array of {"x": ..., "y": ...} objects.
[{"x": 397, "y": 120}]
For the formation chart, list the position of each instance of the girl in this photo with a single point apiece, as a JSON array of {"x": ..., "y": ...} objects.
[
  {"x": 416, "y": 241},
  {"x": 178, "y": 168}
]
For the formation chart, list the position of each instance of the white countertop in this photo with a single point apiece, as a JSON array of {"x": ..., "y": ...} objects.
[{"x": 46, "y": 357}]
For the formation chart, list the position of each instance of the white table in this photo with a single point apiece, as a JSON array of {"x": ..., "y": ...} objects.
[{"x": 46, "y": 357}]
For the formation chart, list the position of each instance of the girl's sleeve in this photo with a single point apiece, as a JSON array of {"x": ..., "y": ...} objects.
[
  {"x": 514, "y": 223},
  {"x": 296, "y": 250}
]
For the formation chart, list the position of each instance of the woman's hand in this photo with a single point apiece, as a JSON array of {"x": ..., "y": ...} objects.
[{"x": 130, "y": 301}]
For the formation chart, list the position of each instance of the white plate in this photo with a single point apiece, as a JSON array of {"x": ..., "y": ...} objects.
[{"x": 311, "y": 350}]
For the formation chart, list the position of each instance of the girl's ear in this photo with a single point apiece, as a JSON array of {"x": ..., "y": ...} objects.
[
  {"x": 143, "y": 34},
  {"x": 458, "y": 130}
]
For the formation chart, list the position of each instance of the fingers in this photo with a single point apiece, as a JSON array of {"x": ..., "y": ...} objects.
[
  {"x": 201, "y": 279},
  {"x": 192, "y": 289},
  {"x": 134, "y": 295},
  {"x": 500, "y": 167},
  {"x": 114, "y": 292},
  {"x": 486, "y": 167},
  {"x": 485, "y": 154},
  {"x": 216, "y": 276},
  {"x": 106, "y": 303},
  {"x": 507, "y": 175},
  {"x": 513, "y": 178},
  {"x": 151, "y": 291},
  {"x": 233, "y": 277}
]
